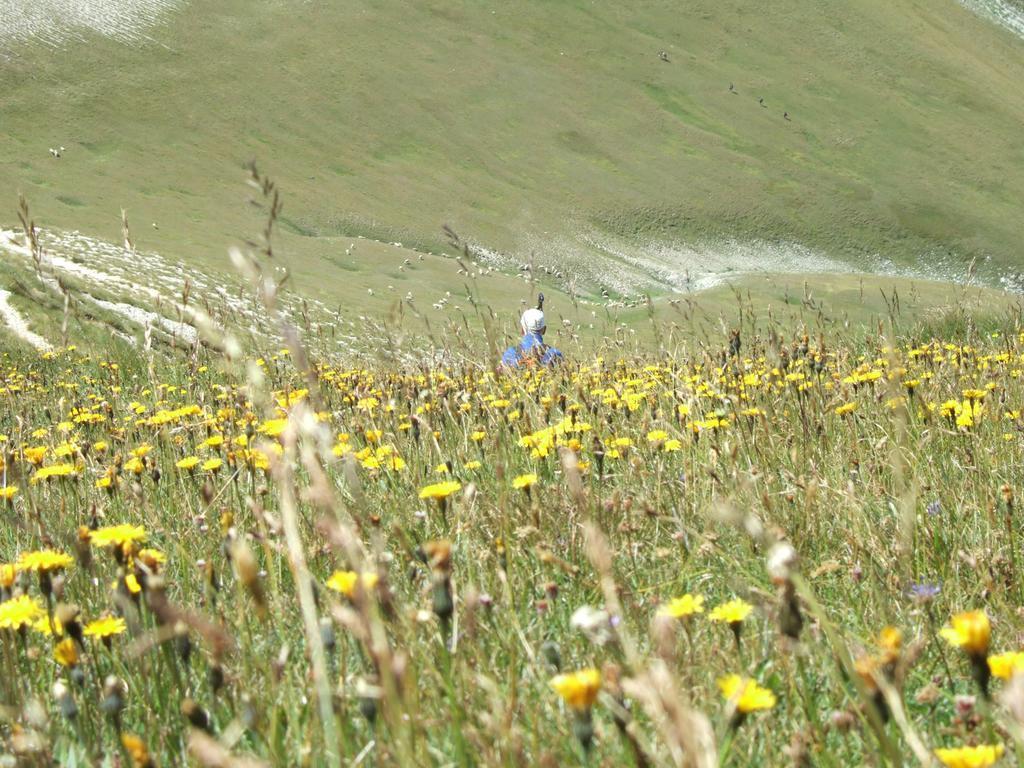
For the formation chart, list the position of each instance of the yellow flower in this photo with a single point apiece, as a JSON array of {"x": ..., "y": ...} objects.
[
  {"x": 578, "y": 689},
  {"x": 152, "y": 557},
  {"x": 130, "y": 583},
  {"x": 136, "y": 749},
  {"x": 981, "y": 756},
  {"x": 746, "y": 695},
  {"x": 969, "y": 413},
  {"x": 189, "y": 462},
  {"x": 7, "y": 574},
  {"x": 440, "y": 491},
  {"x": 441, "y": 469},
  {"x": 681, "y": 607},
  {"x": 212, "y": 465},
  {"x": 106, "y": 627},
  {"x": 118, "y": 535},
  {"x": 66, "y": 653},
  {"x": 970, "y": 631},
  {"x": 7, "y": 493},
  {"x": 472, "y": 464},
  {"x": 477, "y": 436},
  {"x": 135, "y": 465},
  {"x": 732, "y": 612},
  {"x": 524, "y": 481},
  {"x": 845, "y": 409},
  {"x": 868, "y": 668},
  {"x": 345, "y": 582},
  {"x": 890, "y": 640},
  {"x": 43, "y": 561},
  {"x": 142, "y": 451},
  {"x": 273, "y": 427},
  {"x": 1006, "y": 665},
  {"x": 36, "y": 455},
  {"x": 657, "y": 436},
  {"x": 54, "y": 470},
  {"x": 20, "y": 612},
  {"x": 44, "y": 627}
]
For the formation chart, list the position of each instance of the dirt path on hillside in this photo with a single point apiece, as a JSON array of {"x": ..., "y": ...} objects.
[
  {"x": 1009, "y": 15},
  {"x": 13, "y": 320},
  {"x": 54, "y": 22}
]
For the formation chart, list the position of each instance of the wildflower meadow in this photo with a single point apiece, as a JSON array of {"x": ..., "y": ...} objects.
[{"x": 802, "y": 553}]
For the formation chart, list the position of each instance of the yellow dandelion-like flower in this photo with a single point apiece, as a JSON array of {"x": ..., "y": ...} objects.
[
  {"x": 890, "y": 640},
  {"x": 129, "y": 582},
  {"x": 7, "y": 574},
  {"x": 745, "y": 694},
  {"x": 440, "y": 491},
  {"x": 188, "y": 463},
  {"x": 733, "y": 612},
  {"x": 657, "y": 436},
  {"x": 136, "y": 749},
  {"x": 19, "y": 612},
  {"x": 273, "y": 427},
  {"x": 578, "y": 689},
  {"x": 35, "y": 455},
  {"x": 524, "y": 481},
  {"x": 212, "y": 465},
  {"x": 152, "y": 557},
  {"x": 118, "y": 535},
  {"x": 8, "y": 492},
  {"x": 981, "y": 756},
  {"x": 477, "y": 436},
  {"x": 135, "y": 465},
  {"x": 66, "y": 653},
  {"x": 44, "y": 627},
  {"x": 1006, "y": 665},
  {"x": 106, "y": 627},
  {"x": 54, "y": 470},
  {"x": 969, "y": 631},
  {"x": 43, "y": 561},
  {"x": 472, "y": 464},
  {"x": 681, "y": 607},
  {"x": 345, "y": 582}
]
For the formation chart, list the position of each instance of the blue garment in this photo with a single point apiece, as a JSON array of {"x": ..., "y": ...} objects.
[{"x": 531, "y": 349}]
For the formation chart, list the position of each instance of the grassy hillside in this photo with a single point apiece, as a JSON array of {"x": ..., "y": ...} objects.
[{"x": 540, "y": 126}]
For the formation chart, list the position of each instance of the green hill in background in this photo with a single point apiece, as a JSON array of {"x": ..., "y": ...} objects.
[{"x": 553, "y": 128}]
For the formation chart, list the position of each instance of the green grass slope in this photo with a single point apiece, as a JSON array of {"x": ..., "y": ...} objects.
[{"x": 551, "y": 127}]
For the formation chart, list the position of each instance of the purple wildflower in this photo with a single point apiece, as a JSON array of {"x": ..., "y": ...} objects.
[{"x": 924, "y": 592}]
